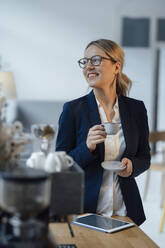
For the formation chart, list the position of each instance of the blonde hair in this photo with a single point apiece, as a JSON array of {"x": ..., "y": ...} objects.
[{"x": 116, "y": 53}]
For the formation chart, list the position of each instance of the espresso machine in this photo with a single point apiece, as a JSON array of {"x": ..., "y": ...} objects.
[
  {"x": 31, "y": 198},
  {"x": 24, "y": 209}
]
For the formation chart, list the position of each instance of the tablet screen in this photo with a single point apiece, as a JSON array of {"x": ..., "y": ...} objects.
[{"x": 101, "y": 223}]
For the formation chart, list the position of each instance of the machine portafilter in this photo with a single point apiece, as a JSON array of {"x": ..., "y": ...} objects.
[{"x": 30, "y": 199}]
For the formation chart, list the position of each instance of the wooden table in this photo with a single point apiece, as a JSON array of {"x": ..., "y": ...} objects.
[{"x": 132, "y": 237}]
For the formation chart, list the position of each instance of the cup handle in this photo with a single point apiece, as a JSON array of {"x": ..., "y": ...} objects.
[{"x": 70, "y": 160}]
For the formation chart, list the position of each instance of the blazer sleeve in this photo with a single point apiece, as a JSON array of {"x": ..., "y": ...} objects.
[
  {"x": 67, "y": 137},
  {"x": 141, "y": 161}
]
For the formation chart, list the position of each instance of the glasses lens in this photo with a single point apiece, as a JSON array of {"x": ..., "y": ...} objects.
[
  {"x": 83, "y": 62},
  {"x": 96, "y": 60}
]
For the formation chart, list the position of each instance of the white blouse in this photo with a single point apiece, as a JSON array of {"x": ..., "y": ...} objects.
[{"x": 110, "y": 200}]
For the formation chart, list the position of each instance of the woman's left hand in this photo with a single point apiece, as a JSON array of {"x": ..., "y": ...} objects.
[{"x": 129, "y": 168}]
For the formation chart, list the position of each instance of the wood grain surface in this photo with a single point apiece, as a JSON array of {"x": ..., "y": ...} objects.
[{"x": 132, "y": 237}]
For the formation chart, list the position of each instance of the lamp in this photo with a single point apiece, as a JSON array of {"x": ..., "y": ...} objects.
[
  {"x": 8, "y": 90},
  {"x": 7, "y": 86}
]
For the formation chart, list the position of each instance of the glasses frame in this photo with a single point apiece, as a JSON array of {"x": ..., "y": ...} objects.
[{"x": 90, "y": 59}]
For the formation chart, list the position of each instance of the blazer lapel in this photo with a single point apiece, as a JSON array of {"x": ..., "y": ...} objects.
[
  {"x": 94, "y": 118},
  {"x": 128, "y": 125},
  {"x": 93, "y": 112}
]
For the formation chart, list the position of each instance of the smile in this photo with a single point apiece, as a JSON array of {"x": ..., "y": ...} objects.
[{"x": 92, "y": 75}]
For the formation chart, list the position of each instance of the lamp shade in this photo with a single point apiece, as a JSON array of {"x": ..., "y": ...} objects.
[{"x": 7, "y": 86}]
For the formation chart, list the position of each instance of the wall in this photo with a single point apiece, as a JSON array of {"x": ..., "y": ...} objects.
[{"x": 42, "y": 40}]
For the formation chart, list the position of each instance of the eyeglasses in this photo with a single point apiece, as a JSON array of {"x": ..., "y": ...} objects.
[{"x": 95, "y": 60}]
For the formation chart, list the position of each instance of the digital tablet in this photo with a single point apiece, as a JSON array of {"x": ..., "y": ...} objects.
[{"x": 101, "y": 223}]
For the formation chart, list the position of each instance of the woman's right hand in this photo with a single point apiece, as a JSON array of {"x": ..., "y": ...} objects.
[{"x": 95, "y": 136}]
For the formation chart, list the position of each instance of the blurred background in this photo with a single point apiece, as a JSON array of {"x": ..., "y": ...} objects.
[{"x": 41, "y": 41}]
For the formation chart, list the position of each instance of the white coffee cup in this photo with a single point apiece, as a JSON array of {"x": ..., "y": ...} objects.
[
  {"x": 58, "y": 161},
  {"x": 66, "y": 160},
  {"x": 111, "y": 128},
  {"x": 53, "y": 163}
]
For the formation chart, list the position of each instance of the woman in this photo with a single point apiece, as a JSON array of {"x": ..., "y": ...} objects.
[{"x": 83, "y": 137}]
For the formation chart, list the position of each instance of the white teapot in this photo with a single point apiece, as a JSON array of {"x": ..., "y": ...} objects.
[
  {"x": 58, "y": 161},
  {"x": 37, "y": 160}
]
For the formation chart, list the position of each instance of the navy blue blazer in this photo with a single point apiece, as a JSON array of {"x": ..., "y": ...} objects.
[{"x": 81, "y": 114}]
